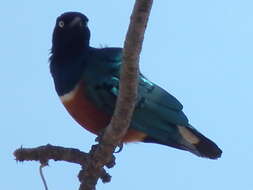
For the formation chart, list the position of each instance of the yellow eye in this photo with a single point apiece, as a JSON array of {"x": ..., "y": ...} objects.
[{"x": 61, "y": 24}]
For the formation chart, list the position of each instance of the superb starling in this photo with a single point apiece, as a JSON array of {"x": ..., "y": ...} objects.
[{"x": 87, "y": 82}]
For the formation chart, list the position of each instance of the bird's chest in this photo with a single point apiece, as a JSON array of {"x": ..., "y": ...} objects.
[
  {"x": 89, "y": 116},
  {"x": 83, "y": 110}
]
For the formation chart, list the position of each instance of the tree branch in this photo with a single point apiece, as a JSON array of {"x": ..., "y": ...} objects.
[
  {"x": 57, "y": 153},
  {"x": 127, "y": 95},
  {"x": 102, "y": 154}
]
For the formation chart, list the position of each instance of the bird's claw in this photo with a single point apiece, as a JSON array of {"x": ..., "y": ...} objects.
[{"x": 120, "y": 146}]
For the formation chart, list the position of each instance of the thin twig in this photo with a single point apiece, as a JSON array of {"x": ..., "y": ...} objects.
[{"x": 42, "y": 176}]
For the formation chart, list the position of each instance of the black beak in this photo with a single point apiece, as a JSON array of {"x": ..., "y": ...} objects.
[{"x": 75, "y": 22}]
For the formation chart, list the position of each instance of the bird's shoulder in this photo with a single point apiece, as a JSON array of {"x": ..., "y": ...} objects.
[{"x": 102, "y": 64}]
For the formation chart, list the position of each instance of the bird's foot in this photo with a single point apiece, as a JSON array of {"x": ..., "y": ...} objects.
[{"x": 100, "y": 135}]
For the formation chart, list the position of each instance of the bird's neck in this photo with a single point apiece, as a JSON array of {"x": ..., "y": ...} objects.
[
  {"x": 67, "y": 69},
  {"x": 63, "y": 52}
]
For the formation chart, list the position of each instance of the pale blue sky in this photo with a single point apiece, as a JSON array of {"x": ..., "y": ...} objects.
[{"x": 200, "y": 51}]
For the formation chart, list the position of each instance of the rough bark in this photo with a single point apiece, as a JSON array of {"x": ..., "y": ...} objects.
[{"x": 127, "y": 94}]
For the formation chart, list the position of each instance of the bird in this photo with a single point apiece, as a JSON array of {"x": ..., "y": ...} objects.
[{"x": 86, "y": 80}]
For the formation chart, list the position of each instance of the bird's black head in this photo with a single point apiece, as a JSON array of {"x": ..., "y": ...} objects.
[{"x": 71, "y": 34}]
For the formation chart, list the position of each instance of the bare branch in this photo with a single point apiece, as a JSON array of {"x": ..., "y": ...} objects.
[
  {"x": 57, "y": 153},
  {"x": 127, "y": 95},
  {"x": 47, "y": 152}
]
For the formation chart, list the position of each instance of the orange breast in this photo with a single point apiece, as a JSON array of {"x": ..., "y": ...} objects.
[
  {"x": 89, "y": 117},
  {"x": 83, "y": 111}
]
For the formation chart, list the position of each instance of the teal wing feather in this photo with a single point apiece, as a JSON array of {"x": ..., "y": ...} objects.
[
  {"x": 157, "y": 113},
  {"x": 101, "y": 77},
  {"x": 155, "y": 108}
]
